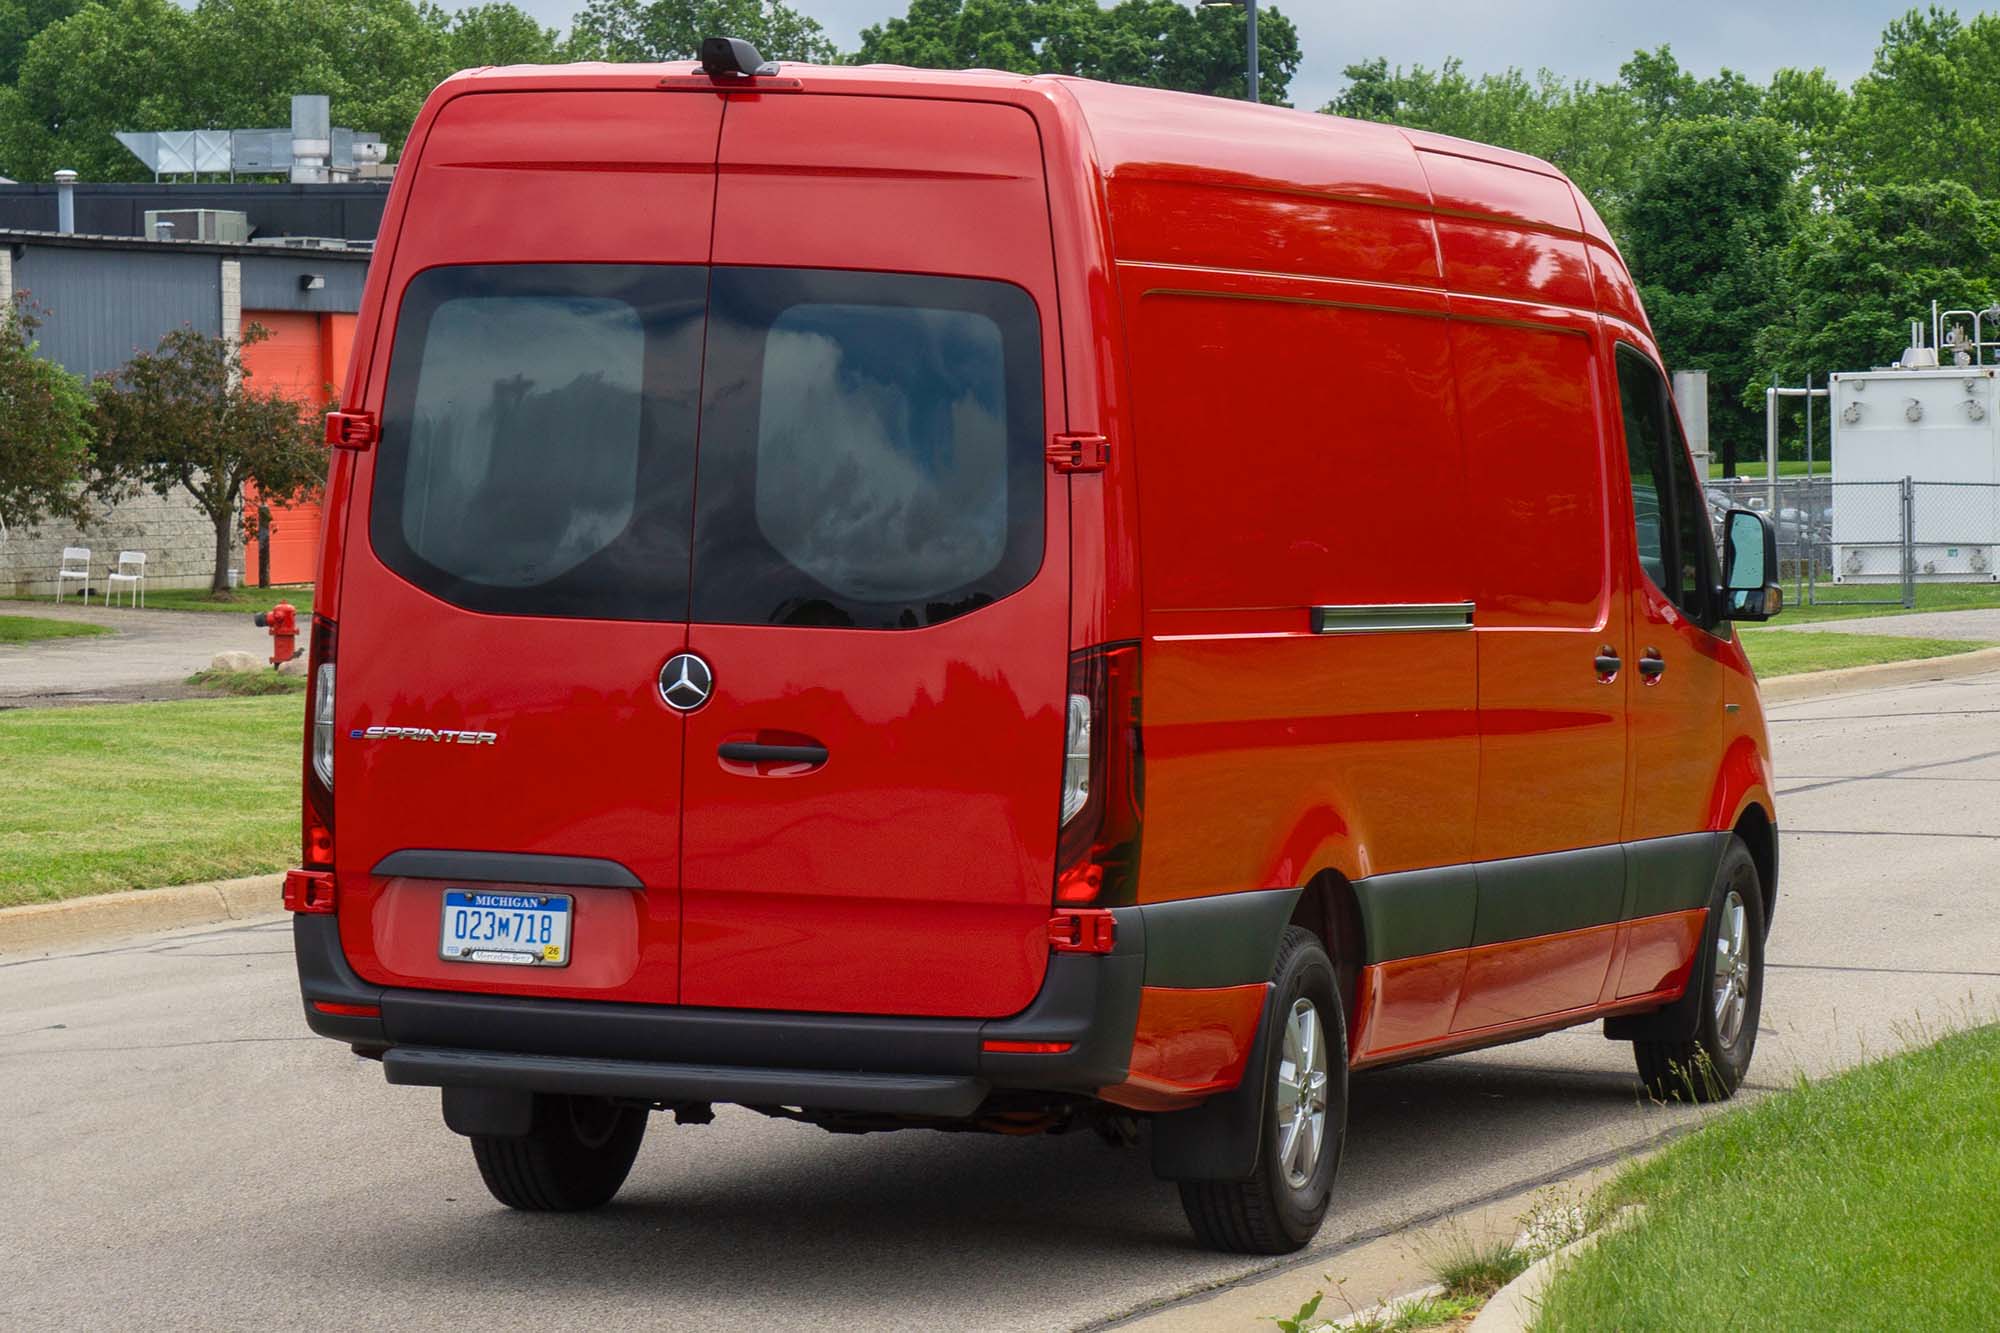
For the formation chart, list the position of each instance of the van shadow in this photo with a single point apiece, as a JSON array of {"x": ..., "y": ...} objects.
[{"x": 749, "y": 1221}]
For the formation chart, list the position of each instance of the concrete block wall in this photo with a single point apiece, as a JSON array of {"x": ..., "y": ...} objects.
[{"x": 172, "y": 530}]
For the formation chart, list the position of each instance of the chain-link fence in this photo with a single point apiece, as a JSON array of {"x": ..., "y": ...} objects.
[{"x": 1871, "y": 542}]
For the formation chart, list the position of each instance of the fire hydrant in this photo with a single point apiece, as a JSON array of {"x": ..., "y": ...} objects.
[{"x": 283, "y": 622}]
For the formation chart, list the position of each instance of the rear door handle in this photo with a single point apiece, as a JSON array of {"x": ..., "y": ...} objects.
[
  {"x": 1652, "y": 666},
  {"x": 751, "y": 752},
  {"x": 1607, "y": 665}
]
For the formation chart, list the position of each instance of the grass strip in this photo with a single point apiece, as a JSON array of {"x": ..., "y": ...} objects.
[
  {"x": 237, "y": 601},
  {"x": 249, "y": 684},
  {"x": 134, "y": 796},
  {"x": 1787, "y": 654},
  {"x": 1835, "y": 602},
  {"x": 1862, "y": 1201},
  {"x": 33, "y": 629}
]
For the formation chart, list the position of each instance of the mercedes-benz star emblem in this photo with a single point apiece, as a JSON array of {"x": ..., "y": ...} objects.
[{"x": 685, "y": 682}]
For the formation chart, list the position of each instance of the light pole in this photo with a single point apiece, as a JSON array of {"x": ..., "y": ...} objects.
[{"x": 1249, "y": 8}]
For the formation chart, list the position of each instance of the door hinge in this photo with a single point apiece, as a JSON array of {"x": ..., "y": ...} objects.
[
  {"x": 351, "y": 430},
  {"x": 1079, "y": 453}
]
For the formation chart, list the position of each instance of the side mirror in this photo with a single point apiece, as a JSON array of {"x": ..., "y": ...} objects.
[{"x": 1750, "y": 587}]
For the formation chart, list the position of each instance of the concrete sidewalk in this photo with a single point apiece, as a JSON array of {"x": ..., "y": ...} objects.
[{"x": 145, "y": 648}]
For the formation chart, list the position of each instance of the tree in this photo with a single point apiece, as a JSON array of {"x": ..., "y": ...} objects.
[
  {"x": 1706, "y": 229},
  {"x": 673, "y": 29},
  {"x": 1597, "y": 133},
  {"x": 109, "y": 66},
  {"x": 1164, "y": 44},
  {"x": 187, "y": 416},
  {"x": 492, "y": 34},
  {"x": 20, "y": 20},
  {"x": 1919, "y": 113},
  {"x": 1151, "y": 43},
  {"x": 153, "y": 65},
  {"x": 1856, "y": 277},
  {"x": 44, "y": 428}
]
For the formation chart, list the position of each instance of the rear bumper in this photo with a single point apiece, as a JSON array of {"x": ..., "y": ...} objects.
[{"x": 1088, "y": 1004}]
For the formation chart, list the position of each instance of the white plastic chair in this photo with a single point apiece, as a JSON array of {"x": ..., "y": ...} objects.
[
  {"x": 75, "y": 565},
  {"x": 131, "y": 569}
]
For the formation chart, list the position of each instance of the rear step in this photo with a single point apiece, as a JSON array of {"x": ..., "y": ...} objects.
[{"x": 822, "y": 1090}]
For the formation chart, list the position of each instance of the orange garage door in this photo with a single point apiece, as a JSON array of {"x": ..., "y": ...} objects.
[{"x": 306, "y": 357}]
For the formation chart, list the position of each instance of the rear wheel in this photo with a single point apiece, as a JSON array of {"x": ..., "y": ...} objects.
[
  {"x": 1280, "y": 1207},
  {"x": 575, "y": 1155},
  {"x": 1728, "y": 976}
]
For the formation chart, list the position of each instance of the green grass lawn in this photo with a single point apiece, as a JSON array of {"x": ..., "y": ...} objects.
[
  {"x": 29, "y": 629},
  {"x": 1834, "y": 602},
  {"x": 1865, "y": 1201},
  {"x": 133, "y": 796},
  {"x": 1787, "y": 467},
  {"x": 243, "y": 601},
  {"x": 1775, "y": 654}
]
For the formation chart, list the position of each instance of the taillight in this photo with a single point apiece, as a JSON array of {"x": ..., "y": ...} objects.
[
  {"x": 318, "y": 822},
  {"x": 322, "y": 742},
  {"x": 1103, "y": 779}
]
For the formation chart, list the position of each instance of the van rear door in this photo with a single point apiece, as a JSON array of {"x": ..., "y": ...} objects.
[
  {"x": 880, "y": 573},
  {"x": 523, "y": 578}
]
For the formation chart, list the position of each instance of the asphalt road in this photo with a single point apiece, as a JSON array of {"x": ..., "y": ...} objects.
[
  {"x": 178, "y": 1152},
  {"x": 147, "y": 655}
]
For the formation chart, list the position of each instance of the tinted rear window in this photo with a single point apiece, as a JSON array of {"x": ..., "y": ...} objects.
[
  {"x": 538, "y": 438},
  {"x": 871, "y": 449}
]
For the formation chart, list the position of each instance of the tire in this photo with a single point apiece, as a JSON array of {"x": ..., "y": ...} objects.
[
  {"x": 1280, "y": 1207},
  {"x": 575, "y": 1155},
  {"x": 1711, "y": 1066}
]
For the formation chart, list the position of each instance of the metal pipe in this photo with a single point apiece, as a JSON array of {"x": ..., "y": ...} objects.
[
  {"x": 66, "y": 201},
  {"x": 1251, "y": 9},
  {"x": 1771, "y": 450},
  {"x": 1809, "y": 434}
]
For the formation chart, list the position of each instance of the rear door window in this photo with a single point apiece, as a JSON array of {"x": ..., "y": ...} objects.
[
  {"x": 871, "y": 449},
  {"x": 538, "y": 434}
]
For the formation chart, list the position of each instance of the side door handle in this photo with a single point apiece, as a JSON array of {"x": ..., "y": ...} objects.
[
  {"x": 1607, "y": 664},
  {"x": 753, "y": 752},
  {"x": 1652, "y": 666}
]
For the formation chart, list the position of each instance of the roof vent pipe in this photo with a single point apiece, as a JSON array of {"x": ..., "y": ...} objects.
[{"x": 65, "y": 201}]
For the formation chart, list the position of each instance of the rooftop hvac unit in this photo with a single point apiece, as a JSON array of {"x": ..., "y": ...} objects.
[{"x": 198, "y": 224}]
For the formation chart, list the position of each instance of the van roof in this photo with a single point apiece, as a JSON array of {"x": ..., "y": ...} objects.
[{"x": 1141, "y": 131}]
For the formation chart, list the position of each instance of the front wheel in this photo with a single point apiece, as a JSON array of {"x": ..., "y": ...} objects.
[
  {"x": 575, "y": 1155},
  {"x": 1728, "y": 976},
  {"x": 1280, "y": 1207}
]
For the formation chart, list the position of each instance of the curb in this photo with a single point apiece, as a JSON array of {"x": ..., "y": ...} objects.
[
  {"x": 1514, "y": 1308},
  {"x": 42, "y": 926},
  {"x": 1818, "y": 684}
]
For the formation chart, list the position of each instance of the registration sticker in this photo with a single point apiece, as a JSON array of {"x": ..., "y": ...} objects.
[{"x": 521, "y": 929}]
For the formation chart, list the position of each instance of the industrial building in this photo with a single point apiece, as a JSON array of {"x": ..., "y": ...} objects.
[{"x": 104, "y": 297}]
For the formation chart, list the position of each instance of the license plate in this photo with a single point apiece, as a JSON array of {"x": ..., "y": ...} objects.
[{"x": 522, "y": 929}]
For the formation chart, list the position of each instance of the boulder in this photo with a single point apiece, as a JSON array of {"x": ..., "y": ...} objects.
[
  {"x": 295, "y": 667},
  {"x": 237, "y": 661}
]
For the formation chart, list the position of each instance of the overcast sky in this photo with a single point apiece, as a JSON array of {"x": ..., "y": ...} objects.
[{"x": 1577, "y": 38}]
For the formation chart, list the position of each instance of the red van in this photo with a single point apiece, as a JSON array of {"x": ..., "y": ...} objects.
[{"x": 895, "y": 599}]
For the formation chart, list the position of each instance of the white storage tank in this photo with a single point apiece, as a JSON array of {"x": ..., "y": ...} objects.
[{"x": 1939, "y": 427}]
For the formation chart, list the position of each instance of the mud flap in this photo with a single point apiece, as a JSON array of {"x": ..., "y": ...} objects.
[
  {"x": 1219, "y": 1139},
  {"x": 1674, "y": 1022}
]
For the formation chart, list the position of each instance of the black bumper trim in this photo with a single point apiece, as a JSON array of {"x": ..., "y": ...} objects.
[
  {"x": 901, "y": 1094},
  {"x": 1089, "y": 1001}
]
